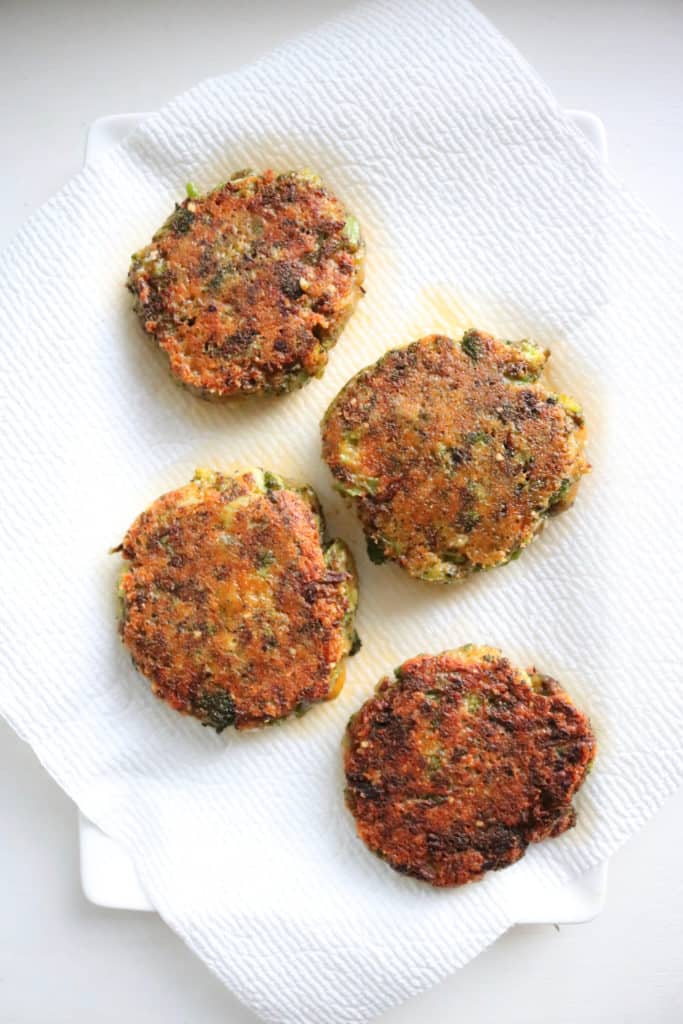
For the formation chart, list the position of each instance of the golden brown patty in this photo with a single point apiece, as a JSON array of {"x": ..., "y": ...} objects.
[
  {"x": 233, "y": 607},
  {"x": 453, "y": 453},
  {"x": 461, "y": 761},
  {"x": 246, "y": 288}
]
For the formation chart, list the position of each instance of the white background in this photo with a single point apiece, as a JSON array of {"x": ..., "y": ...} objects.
[{"x": 62, "y": 64}]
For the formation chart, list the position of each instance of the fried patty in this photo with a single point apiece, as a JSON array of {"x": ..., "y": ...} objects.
[
  {"x": 233, "y": 606},
  {"x": 246, "y": 288},
  {"x": 454, "y": 453},
  {"x": 459, "y": 762}
]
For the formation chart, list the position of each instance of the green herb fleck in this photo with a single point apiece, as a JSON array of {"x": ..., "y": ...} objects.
[
  {"x": 356, "y": 644},
  {"x": 478, "y": 437},
  {"x": 216, "y": 708},
  {"x": 471, "y": 345},
  {"x": 560, "y": 495},
  {"x": 520, "y": 374},
  {"x": 165, "y": 543},
  {"x": 351, "y": 232},
  {"x": 531, "y": 362},
  {"x": 451, "y": 456},
  {"x": 468, "y": 520},
  {"x": 217, "y": 279},
  {"x": 525, "y": 458},
  {"x": 375, "y": 551},
  {"x": 192, "y": 192},
  {"x": 434, "y": 762},
  {"x": 264, "y": 560},
  {"x": 361, "y": 486},
  {"x": 271, "y": 481},
  {"x": 455, "y": 557},
  {"x": 244, "y": 172},
  {"x": 572, "y": 407},
  {"x": 182, "y": 220}
]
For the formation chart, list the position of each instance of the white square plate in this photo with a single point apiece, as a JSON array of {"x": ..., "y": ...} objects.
[{"x": 108, "y": 876}]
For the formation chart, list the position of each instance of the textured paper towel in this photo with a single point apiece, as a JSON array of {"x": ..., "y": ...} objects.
[{"x": 480, "y": 204}]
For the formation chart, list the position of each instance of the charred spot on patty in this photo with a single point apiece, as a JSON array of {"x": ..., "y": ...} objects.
[
  {"x": 233, "y": 605},
  {"x": 247, "y": 288},
  {"x": 460, "y": 761},
  {"x": 454, "y": 454}
]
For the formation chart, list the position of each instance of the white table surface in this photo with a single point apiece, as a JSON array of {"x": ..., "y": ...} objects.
[{"x": 64, "y": 63}]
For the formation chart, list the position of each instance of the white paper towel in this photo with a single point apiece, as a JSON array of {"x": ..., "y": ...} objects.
[{"x": 481, "y": 205}]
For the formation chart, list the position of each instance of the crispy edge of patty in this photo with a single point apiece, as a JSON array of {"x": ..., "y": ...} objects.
[
  {"x": 214, "y": 704},
  {"x": 148, "y": 289},
  {"x": 523, "y": 364},
  {"x": 418, "y": 813}
]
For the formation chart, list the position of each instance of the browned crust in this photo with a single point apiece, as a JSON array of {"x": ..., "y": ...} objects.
[
  {"x": 232, "y": 607},
  {"x": 457, "y": 764},
  {"x": 453, "y": 453},
  {"x": 246, "y": 288}
]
